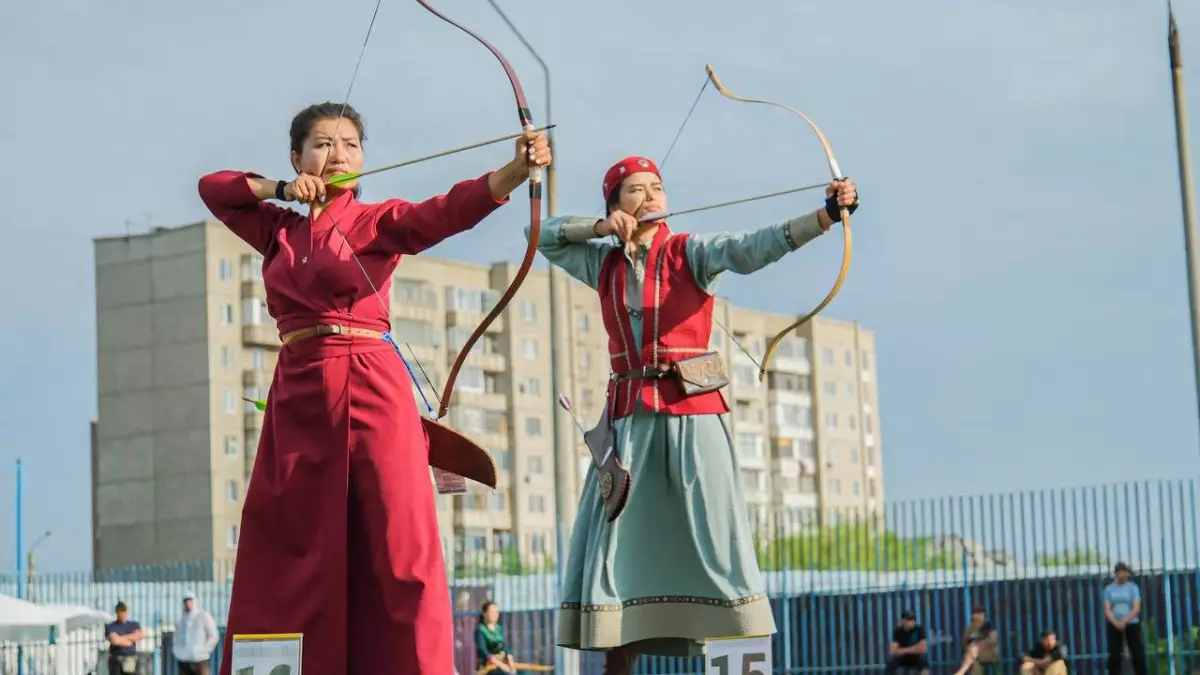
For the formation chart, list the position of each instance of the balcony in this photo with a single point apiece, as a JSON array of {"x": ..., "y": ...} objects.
[
  {"x": 490, "y": 363},
  {"x": 257, "y": 378},
  {"x": 261, "y": 335},
  {"x": 799, "y": 499},
  {"x": 254, "y": 289},
  {"x": 791, "y": 365},
  {"x": 471, "y": 319},
  {"x": 253, "y": 423},
  {"x": 474, "y": 399},
  {"x": 417, "y": 313},
  {"x": 800, "y": 398}
]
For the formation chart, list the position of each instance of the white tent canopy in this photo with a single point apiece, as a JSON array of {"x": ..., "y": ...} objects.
[{"x": 22, "y": 621}]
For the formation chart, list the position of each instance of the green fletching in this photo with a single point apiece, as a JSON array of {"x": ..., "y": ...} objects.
[
  {"x": 343, "y": 178},
  {"x": 261, "y": 404}
]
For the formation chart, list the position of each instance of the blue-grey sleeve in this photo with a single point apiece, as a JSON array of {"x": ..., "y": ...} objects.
[
  {"x": 569, "y": 242},
  {"x": 747, "y": 252},
  {"x": 1137, "y": 593}
]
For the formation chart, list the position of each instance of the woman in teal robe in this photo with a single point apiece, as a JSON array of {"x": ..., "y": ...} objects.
[{"x": 678, "y": 566}]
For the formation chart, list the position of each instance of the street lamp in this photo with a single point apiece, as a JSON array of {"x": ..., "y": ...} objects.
[
  {"x": 561, "y": 375},
  {"x": 30, "y": 562}
]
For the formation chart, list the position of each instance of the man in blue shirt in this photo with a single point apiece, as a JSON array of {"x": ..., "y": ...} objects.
[
  {"x": 1122, "y": 607},
  {"x": 123, "y": 636}
]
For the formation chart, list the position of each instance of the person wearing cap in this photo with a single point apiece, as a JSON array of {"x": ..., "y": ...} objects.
[
  {"x": 981, "y": 646},
  {"x": 1122, "y": 607},
  {"x": 195, "y": 638},
  {"x": 685, "y": 509},
  {"x": 123, "y": 636},
  {"x": 907, "y": 651}
]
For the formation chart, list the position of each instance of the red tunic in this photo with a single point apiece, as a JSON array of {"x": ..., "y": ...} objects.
[
  {"x": 339, "y": 537},
  {"x": 677, "y": 322}
]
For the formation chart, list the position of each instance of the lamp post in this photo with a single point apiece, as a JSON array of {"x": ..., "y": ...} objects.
[
  {"x": 31, "y": 563},
  {"x": 561, "y": 375},
  {"x": 1187, "y": 190}
]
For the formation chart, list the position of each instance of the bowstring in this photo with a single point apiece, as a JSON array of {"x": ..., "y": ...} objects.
[
  {"x": 387, "y": 334},
  {"x": 661, "y": 165}
]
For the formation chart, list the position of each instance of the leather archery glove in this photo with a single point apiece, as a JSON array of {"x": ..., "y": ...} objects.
[{"x": 841, "y": 194}]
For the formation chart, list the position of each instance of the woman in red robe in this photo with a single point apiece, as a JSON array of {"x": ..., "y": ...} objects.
[{"x": 339, "y": 536}]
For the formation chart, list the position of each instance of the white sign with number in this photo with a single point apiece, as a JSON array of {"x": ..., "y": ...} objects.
[
  {"x": 267, "y": 654},
  {"x": 738, "y": 656}
]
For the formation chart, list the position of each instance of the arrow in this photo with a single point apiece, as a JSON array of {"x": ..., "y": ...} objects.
[{"x": 341, "y": 179}]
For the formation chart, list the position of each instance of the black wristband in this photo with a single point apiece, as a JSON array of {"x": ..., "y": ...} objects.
[{"x": 279, "y": 190}]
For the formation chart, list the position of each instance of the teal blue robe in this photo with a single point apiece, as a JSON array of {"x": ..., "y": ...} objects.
[{"x": 678, "y": 566}]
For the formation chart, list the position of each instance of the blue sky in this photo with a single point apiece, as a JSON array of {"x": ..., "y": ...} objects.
[{"x": 1019, "y": 249}]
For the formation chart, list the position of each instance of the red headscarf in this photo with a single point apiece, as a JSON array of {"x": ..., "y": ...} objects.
[{"x": 624, "y": 168}]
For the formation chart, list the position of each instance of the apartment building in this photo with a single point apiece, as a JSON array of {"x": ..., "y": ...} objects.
[{"x": 183, "y": 336}]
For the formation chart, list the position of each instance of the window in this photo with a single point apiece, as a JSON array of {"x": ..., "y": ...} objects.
[
  {"x": 227, "y": 358},
  {"x": 226, "y": 269},
  {"x": 533, "y": 426},
  {"x": 227, "y": 314},
  {"x": 750, "y": 446},
  {"x": 537, "y": 543},
  {"x": 754, "y": 480},
  {"x": 588, "y": 397},
  {"x": 258, "y": 359},
  {"x": 789, "y": 414},
  {"x": 231, "y": 491},
  {"x": 835, "y": 486},
  {"x": 498, "y": 501},
  {"x": 585, "y": 360},
  {"x": 852, "y": 420},
  {"x": 849, "y": 358},
  {"x": 584, "y": 323},
  {"x": 831, "y": 388},
  {"x": 853, "y": 455},
  {"x": 252, "y": 312},
  {"x": 854, "y": 489},
  {"x": 867, "y": 425},
  {"x": 254, "y": 394},
  {"x": 471, "y": 379},
  {"x": 229, "y": 402},
  {"x": 414, "y": 293},
  {"x": 537, "y": 504},
  {"x": 827, "y": 355},
  {"x": 531, "y": 386},
  {"x": 535, "y": 464},
  {"x": 422, "y": 333},
  {"x": 231, "y": 446},
  {"x": 252, "y": 268},
  {"x": 803, "y": 449},
  {"x": 870, "y": 456},
  {"x": 831, "y": 420},
  {"x": 529, "y": 311},
  {"x": 849, "y": 388},
  {"x": 529, "y": 348},
  {"x": 231, "y": 537}
]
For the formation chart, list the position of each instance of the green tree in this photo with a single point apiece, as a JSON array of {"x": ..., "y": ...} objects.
[
  {"x": 854, "y": 546},
  {"x": 1076, "y": 557}
]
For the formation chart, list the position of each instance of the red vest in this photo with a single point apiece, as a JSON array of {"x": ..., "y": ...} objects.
[{"x": 677, "y": 322}]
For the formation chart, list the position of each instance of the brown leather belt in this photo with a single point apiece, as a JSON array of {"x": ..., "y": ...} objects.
[
  {"x": 644, "y": 373},
  {"x": 327, "y": 329}
]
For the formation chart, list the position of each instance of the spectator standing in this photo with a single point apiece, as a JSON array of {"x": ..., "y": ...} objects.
[
  {"x": 196, "y": 637},
  {"x": 123, "y": 636},
  {"x": 1122, "y": 607}
]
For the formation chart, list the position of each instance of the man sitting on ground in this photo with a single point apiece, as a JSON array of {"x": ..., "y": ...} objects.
[
  {"x": 1047, "y": 657},
  {"x": 906, "y": 654}
]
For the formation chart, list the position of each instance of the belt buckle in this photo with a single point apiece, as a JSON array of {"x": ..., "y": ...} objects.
[{"x": 333, "y": 329}]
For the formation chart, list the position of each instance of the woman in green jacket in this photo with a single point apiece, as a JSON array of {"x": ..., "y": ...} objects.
[{"x": 490, "y": 645}]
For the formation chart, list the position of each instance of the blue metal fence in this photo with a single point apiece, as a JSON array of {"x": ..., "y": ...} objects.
[{"x": 1034, "y": 560}]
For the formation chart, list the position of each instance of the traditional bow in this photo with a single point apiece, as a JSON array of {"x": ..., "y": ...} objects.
[
  {"x": 535, "y": 215},
  {"x": 450, "y": 451},
  {"x": 846, "y": 238}
]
